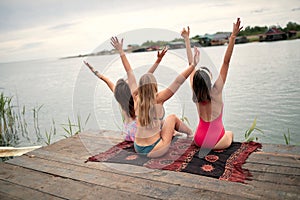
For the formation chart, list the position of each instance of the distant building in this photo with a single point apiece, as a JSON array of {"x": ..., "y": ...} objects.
[
  {"x": 292, "y": 33},
  {"x": 194, "y": 43},
  {"x": 132, "y": 47},
  {"x": 241, "y": 39},
  {"x": 153, "y": 48},
  {"x": 214, "y": 39},
  {"x": 176, "y": 45},
  {"x": 273, "y": 34}
]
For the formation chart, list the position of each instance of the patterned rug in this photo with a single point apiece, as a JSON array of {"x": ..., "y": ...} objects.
[{"x": 183, "y": 156}]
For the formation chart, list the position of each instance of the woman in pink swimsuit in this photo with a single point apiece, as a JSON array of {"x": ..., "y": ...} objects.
[{"x": 207, "y": 96}]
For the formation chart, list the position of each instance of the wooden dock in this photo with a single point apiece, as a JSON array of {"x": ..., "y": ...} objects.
[{"x": 58, "y": 171}]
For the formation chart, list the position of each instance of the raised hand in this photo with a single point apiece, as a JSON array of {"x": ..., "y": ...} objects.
[
  {"x": 236, "y": 27},
  {"x": 161, "y": 54},
  {"x": 108, "y": 82},
  {"x": 196, "y": 56},
  {"x": 185, "y": 33},
  {"x": 114, "y": 41},
  {"x": 91, "y": 68}
]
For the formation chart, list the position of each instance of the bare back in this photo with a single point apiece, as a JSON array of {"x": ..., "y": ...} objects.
[
  {"x": 147, "y": 135},
  {"x": 211, "y": 110}
]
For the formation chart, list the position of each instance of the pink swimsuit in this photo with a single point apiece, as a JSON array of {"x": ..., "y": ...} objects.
[
  {"x": 208, "y": 134},
  {"x": 130, "y": 130}
]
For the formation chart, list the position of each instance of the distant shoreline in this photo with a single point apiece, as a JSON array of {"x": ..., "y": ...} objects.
[{"x": 178, "y": 45}]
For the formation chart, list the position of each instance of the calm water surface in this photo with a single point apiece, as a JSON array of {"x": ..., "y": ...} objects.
[{"x": 263, "y": 82}]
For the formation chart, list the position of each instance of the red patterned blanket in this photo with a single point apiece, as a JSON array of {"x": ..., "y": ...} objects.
[{"x": 185, "y": 156}]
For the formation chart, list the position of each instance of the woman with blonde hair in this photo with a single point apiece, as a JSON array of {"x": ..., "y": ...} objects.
[
  {"x": 123, "y": 96},
  {"x": 153, "y": 137}
]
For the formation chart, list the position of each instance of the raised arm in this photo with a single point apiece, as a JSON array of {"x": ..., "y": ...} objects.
[
  {"x": 160, "y": 55},
  {"x": 186, "y": 36},
  {"x": 108, "y": 82},
  {"x": 219, "y": 84},
  {"x": 131, "y": 78},
  {"x": 170, "y": 91}
]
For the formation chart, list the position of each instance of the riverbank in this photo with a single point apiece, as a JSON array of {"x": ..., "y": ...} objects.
[{"x": 203, "y": 42}]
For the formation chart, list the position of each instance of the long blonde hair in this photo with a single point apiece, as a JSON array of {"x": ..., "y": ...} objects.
[{"x": 147, "y": 99}]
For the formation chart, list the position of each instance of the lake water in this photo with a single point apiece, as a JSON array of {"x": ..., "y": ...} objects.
[{"x": 263, "y": 83}]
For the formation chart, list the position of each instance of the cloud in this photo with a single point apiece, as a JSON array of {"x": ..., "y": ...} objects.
[
  {"x": 62, "y": 26},
  {"x": 31, "y": 45},
  {"x": 258, "y": 10},
  {"x": 71, "y": 27}
]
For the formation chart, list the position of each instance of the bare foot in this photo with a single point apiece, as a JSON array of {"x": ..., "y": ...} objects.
[{"x": 176, "y": 133}]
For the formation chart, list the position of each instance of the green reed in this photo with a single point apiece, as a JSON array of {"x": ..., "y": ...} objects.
[
  {"x": 71, "y": 128},
  {"x": 250, "y": 133},
  {"x": 183, "y": 118},
  {"x": 49, "y": 134},
  {"x": 13, "y": 124},
  {"x": 287, "y": 137},
  {"x": 36, "y": 126},
  {"x": 9, "y": 122}
]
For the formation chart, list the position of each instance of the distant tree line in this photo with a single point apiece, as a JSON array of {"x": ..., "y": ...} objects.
[
  {"x": 262, "y": 29},
  {"x": 292, "y": 26},
  {"x": 152, "y": 43},
  {"x": 256, "y": 30}
]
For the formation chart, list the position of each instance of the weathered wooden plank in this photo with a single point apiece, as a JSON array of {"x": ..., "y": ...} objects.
[
  {"x": 274, "y": 159},
  {"x": 82, "y": 143},
  {"x": 183, "y": 179},
  {"x": 10, "y": 191},
  {"x": 55, "y": 186},
  {"x": 83, "y": 135},
  {"x": 131, "y": 182},
  {"x": 7, "y": 197},
  {"x": 272, "y": 168},
  {"x": 281, "y": 149},
  {"x": 74, "y": 151},
  {"x": 287, "y": 183},
  {"x": 279, "y": 179}
]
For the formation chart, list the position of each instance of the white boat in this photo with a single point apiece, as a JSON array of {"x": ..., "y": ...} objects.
[{"x": 16, "y": 151}]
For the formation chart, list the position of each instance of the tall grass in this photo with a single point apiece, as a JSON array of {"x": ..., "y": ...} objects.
[
  {"x": 36, "y": 126},
  {"x": 10, "y": 122},
  {"x": 287, "y": 137},
  {"x": 250, "y": 133},
  {"x": 50, "y": 134},
  {"x": 13, "y": 122},
  {"x": 14, "y": 126},
  {"x": 74, "y": 128},
  {"x": 183, "y": 118}
]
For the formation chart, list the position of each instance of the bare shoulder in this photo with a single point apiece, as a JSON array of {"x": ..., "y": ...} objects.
[{"x": 216, "y": 96}]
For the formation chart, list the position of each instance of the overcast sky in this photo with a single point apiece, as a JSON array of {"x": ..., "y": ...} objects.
[{"x": 35, "y": 29}]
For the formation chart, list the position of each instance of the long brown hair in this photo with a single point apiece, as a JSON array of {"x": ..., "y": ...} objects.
[
  {"x": 201, "y": 86},
  {"x": 123, "y": 96},
  {"x": 147, "y": 99}
]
